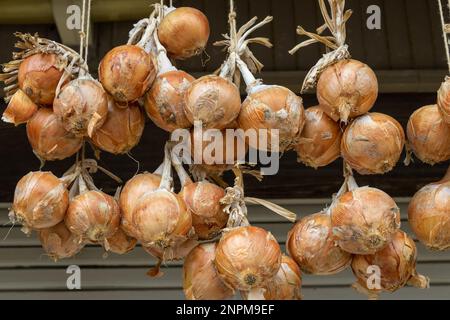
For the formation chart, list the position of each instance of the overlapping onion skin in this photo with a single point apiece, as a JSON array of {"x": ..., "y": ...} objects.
[
  {"x": 247, "y": 257},
  {"x": 373, "y": 143},
  {"x": 178, "y": 250},
  {"x": 165, "y": 103},
  {"x": 320, "y": 139},
  {"x": 59, "y": 243},
  {"x": 38, "y": 77},
  {"x": 428, "y": 135},
  {"x": 200, "y": 278},
  {"x": 127, "y": 72},
  {"x": 40, "y": 201},
  {"x": 48, "y": 138},
  {"x": 273, "y": 107},
  {"x": 184, "y": 32},
  {"x": 82, "y": 106},
  {"x": 122, "y": 129},
  {"x": 364, "y": 220},
  {"x": 429, "y": 214},
  {"x": 212, "y": 100},
  {"x": 347, "y": 89},
  {"x": 120, "y": 242},
  {"x": 396, "y": 263},
  {"x": 20, "y": 109},
  {"x": 312, "y": 245},
  {"x": 443, "y": 100}
]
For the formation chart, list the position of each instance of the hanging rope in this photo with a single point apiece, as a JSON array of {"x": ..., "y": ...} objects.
[{"x": 445, "y": 29}]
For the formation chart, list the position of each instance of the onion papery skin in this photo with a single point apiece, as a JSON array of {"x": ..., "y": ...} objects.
[
  {"x": 273, "y": 107},
  {"x": 59, "y": 243},
  {"x": 428, "y": 135},
  {"x": 177, "y": 251},
  {"x": 131, "y": 192},
  {"x": 397, "y": 263},
  {"x": 184, "y": 32},
  {"x": 20, "y": 109},
  {"x": 160, "y": 218},
  {"x": 127, "y": 72},
  {"x": 200, "y": 278},
  {"x": 121, "y": 243},
  {"x": 347, "y": 89},
  {"x": 313, "y": 247},
  {"x": 40, "y": 201},
  {"x": 212, "y": 100},
  {"x": 429, "y": 215},
  {"x": 82, "y": 105},
  {"x": 48, "y": 138},
  {"x": 93, "y": 215},
  {"x": 443, "y": 100},
  {"x": 373, "y": 143},
  {"x": 164, "y": 102},
  {"x": 203, "y": 201},
  {"x": 364, "y": 220},
  {"x": 247, "y": 257},
  {"x": 38, "y": 77},
  {"x": 320, "y": 139},
  {"x": 122, "y": 129}
]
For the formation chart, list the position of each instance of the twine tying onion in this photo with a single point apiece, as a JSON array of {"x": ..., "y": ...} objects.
[
  {"x": 59, "y": 243},
  {"x": 20, "y": 109}
]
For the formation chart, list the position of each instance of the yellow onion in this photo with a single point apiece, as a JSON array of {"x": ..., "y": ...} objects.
[
  {"x": 200, "y": 278},
  {"x": 247, "y": 257},
  {"x": 48, "y": 138},
  {"x": 93, "y": 215},
  {"x": 213, "y": 100},
  {"x": 177, "y": 251},
  {"x": 120, "y": 242},
  {"x": 59, "y": 243},
  {"x": 364, "y": 220},
  {"x": 397, "y": 266},
  {"x": 273, "y": 107},
  {"x": 131, "y": 192},
  {"x": 320, "y": 139},
  {"x": 20, "y": 109},
  {"x": 82, "y": 105},
  {"x": 184, "y": 32},
  {"x": 127, "y": 72},
  {"x": 38, "y": 77},
  {"x": 443, "y": 100},
  {"x": 312, "y": 245},
  {"x": 40, "y": 201},
  {"x": 164, "y": 102},
  {"x": 429, "y": 214},
  {"x": 429, "y": 135},
  {"x": 373, "y": 143},
  {"x": 347, "y": 89},
  {"x": 122, "y": 129}
]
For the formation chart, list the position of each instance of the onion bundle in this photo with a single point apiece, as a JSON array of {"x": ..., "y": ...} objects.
[
  {"x": 429, "y": 214},
  {"x": 59, "y": 243},
  {"x": 20, "y": 109},
  {"x": 373, "y": 143},
  {"x": 397, "y": 266}
]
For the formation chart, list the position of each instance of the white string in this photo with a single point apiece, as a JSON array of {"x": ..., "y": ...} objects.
[
  {"x": 83, "y": 13},
  {"x": 444, "y": 32},
  {"x": 88, "y": 27}
]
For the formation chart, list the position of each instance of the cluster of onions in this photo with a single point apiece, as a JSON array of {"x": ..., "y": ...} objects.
[
  {"x": 429, "y": 214},
  {"x": 397, "y": 266}
]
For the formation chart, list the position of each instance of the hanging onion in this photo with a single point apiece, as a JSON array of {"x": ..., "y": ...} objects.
[
  {"x": 127, "y": 72},
  {"x": 373, "y": 143},
  {"x": 397, "y": 266},
  {"x": 38, "y": 77},
  {"x": 121, "y": 243},
  {"x": 247, "y": 257},
  {"x": 40, "y": 201},
  {"x": 312, "y": 245},
  {"x": 59, "y": 243},
  {"x": 200, "y": 278},
  {"x": 179, "y": 249},
  {"x": 122, "y": 129},
  {"x": 443, "y": 100},
  {"x": 347, "y": 89},
  {"x": 364, "y": 220},
  {"x": 212, "y": 100},
  {"x": 429, "y": 214},
  {"x": 93, "y": 215},
  {"x": 82, "y": 105},
  {"x": 48, "y": 138},
  {"x": 184, "y": 32},
  {"x": 20, "y": 109},
  {"x": 429, "y": 135},
  {"x": 320, "y": 139}
]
